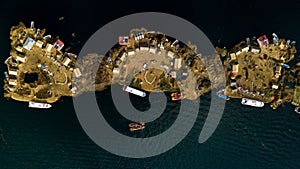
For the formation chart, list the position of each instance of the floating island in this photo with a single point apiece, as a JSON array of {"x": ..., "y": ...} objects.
[
  {"x": 258, "y": 69},
  {"x": 40, "y": 71}
]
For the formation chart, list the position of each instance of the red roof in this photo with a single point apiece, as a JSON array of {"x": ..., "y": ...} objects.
[{"x": 262, "y": 39}]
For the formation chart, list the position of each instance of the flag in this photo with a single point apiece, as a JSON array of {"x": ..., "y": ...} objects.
[
  {"x": 123, "y": 40},
  {"x": 58, "y": 45}
]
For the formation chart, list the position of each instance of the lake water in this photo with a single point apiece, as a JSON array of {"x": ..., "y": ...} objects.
[{"x": 246, "y": 137}]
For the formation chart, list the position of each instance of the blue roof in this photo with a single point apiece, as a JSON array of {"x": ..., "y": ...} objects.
[{"x": 28, "y": 43}]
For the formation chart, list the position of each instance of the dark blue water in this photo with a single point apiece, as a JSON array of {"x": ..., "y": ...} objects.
[{"x": 245, "y": 138}]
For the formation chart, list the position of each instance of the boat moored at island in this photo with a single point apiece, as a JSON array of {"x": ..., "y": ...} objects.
[
  {"x": 134, "y": 91},
  {"x": 251, "y": 102},
  {"x": 297, "y": 110},
  {"x": 6, "y": 76},
  {"x": 221, "y": 95},
  {"x": 39, "y": 105}
]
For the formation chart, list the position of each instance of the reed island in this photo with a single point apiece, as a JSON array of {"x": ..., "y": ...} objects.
[{"x": 259, "y": 69}]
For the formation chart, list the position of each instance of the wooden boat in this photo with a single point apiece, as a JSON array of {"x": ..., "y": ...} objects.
[
  {"x": 136, "y": 126},
  {"x": 140, "y": 127}
]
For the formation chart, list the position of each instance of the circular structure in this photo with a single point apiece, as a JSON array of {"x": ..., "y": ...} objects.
[
  {"x": 95, "y": 125},
  {"x": 151, "y": 75}
]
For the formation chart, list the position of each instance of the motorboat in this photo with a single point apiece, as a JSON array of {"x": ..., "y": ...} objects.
[
  {"x": 251, "y": 102},
  {"x": 221, "y": 95},
  {"x": 39, "y": 105},
  {"x": 134, "y": 91},
  {"x": 297, "y": 110}
]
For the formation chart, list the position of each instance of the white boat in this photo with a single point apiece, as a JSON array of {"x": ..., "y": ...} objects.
[
  {"x": 250, "y": 102},
  {"x": 221, "y": 94},
  {"x": 297, "y": 110},
  {"x": 134, "y": 91},
  {"x": 39, "y": 105},
  {"x": 6, "y": 76}
]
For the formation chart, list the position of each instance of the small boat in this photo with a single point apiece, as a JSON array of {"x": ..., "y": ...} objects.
[
  {"x": 297, "y": 110},
  {"x": 6, "y": 76},
  {"x": 177, "y": 96},
  {"x": 221, "y": 94},
  {"x": 251, "y": 102},
  {"x": 39, "y": 105},
  {"x": 136, "y": 126}
]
